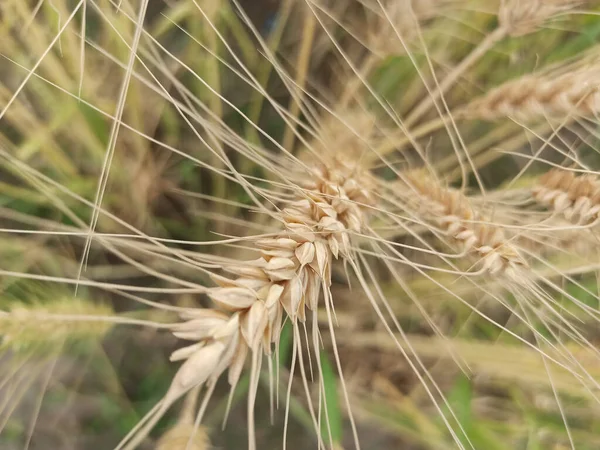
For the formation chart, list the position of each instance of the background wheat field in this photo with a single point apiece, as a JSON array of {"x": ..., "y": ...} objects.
[{"x": 297, "y": 224}]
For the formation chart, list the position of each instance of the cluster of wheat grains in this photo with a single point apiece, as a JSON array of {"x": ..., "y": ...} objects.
[{"x": 365, "y": 217}]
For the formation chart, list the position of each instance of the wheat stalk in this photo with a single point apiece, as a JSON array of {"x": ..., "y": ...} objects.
[
  {"x": 293, "y": 268},
  {"x": 402, "y": 17}
]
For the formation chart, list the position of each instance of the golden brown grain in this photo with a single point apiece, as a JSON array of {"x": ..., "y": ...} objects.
[
  {"x": 533, "y": 97},
  {"x": 477, "y": 236},
  {"x": 576, "y": 197}
]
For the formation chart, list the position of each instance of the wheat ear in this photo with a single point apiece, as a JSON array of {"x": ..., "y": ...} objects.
[
  {"x": 452, "y": 212},
  {"x": 574, "y": 93},
  {"x": 287, "y": 279},
  {"x": 185, "y": 435},
  {"x": 47, "y": 326},
  {"x": 575, "y": 197}
]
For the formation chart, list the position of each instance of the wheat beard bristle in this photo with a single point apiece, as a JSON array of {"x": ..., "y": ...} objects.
[
  {"x": 450, "y": 210},
  {"x": 286, "y": 279}
]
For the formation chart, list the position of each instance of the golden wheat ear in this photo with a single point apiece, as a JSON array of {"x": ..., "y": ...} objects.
[
  {"x": 533, "y": 97},
  {"x": 288, "y": 278},
  {"x": 576, "y": 197},
  {"x": 477, "y": 236},
  {"x": 319, "y": 211}
]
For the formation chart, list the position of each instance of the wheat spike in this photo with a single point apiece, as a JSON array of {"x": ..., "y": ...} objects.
[
  {"x": 574, "y": 93},
  {"x": 452, "y": 212},
  {"x": 286, "y": 279},
  {"x": 577, "y": 198}
]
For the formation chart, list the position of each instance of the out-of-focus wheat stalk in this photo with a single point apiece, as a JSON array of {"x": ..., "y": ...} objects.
[{"x": 515, "y": 18}]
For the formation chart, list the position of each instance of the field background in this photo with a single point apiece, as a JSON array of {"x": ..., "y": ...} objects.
[{"x": 68, "y": 384}]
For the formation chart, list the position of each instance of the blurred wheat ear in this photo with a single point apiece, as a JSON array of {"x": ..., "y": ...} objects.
[
  {"x": 48, "y": 325},
  {"x": 570, "y": 94},
  {"x": 575, "y": 197},
  {"x": 185, "y": 434},
  {"x": 451, "y": 211}
]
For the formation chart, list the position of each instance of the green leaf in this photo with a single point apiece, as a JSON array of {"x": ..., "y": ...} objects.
[
  {"x": 332, "y": 406},
  {"x": 586, "y": 37},
  {"x": 285, "y": 341},
  {"x": 460, "y": 398},
  {"x": 97, "y": 123}
]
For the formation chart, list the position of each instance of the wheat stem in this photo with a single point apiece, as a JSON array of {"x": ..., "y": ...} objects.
[{"x": 302, "y": 65}]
